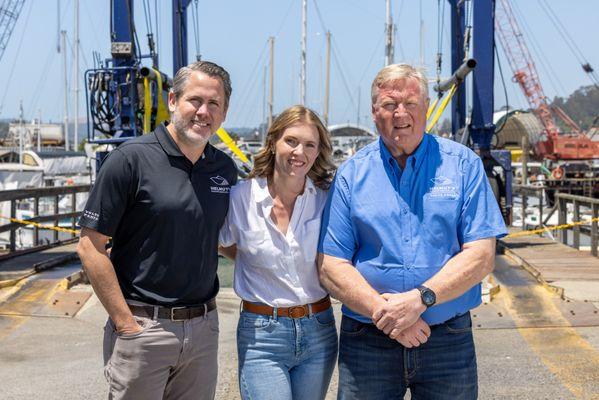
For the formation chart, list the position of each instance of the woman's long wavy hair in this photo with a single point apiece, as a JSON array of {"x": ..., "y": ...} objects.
[{"x": 322, "y": 170}]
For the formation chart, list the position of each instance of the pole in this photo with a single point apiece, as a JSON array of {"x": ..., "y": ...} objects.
[
  {"x": 304, "y": 45},
  {"x": 65, "y": 118},
  {"x": 421, "y": 37},
  {"x": 39, "y": 130},
  {"x": 21, "y": 132},
  {"x": 389, "y": 31},
  {"x": 76, "y": 139},
  {"x": 327, "y": 81},
  {"x": 271, "y": 81}
]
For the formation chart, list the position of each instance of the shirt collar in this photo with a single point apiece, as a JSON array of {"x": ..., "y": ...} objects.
[
  {"x": 260, "y": 189},
  {"x": 170, "y": 147},
  {"x": 415, "y": 158}
]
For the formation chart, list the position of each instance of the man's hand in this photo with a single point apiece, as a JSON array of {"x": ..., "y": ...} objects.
[
  {"x": 413, "y": 336},
  {"x": 399, "y": 312},
  {"x": 131, "y": 328}
]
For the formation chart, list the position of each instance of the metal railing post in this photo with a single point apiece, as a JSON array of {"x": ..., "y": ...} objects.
[
  {"x": 56, "y": 200},
  {"x": 73, "y": 209},
  {"x": 576, "y": 228},
  {"x": 594, "y": 208},
  {"x": 13, "y": 229},
  {"x": 561, "y": 218},
  {"x": 36, "y": 230}
]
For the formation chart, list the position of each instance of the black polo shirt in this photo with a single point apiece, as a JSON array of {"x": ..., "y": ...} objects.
[{"x": 164, "y": 215}]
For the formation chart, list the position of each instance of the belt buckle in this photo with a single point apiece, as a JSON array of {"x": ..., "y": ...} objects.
[
  {"x": 292, "y": 313},
  {"x": 172, "y": 316}
]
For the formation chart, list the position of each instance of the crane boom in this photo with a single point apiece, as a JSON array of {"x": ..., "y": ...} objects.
[
  {"x": 9, "y": 13},
  {"x": 551, "y": 143}
]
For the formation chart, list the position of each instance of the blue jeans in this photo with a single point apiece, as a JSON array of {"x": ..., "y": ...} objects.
[
  {"x": 286, "y": 358},
  {"x": 373, "y": 366}
]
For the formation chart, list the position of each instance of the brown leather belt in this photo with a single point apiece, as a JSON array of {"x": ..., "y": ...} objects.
[
  {"x": 173, "y": 313},
  {"x": 290, "y": 312}
]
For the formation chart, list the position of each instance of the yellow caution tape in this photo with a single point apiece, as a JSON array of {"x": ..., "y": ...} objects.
[
  {"x": 40, "y": 226},
  {"x": 224, "y": 136},
  {"x": 551, "y": 228}
]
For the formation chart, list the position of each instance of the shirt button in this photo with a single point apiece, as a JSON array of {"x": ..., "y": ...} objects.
[{"x": 406, "y": 239}]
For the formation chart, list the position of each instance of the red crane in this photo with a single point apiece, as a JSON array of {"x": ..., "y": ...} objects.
[{"x": 552, "y": 144}]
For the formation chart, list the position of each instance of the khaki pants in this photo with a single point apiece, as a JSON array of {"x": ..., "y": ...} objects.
[{"x": 167, "y": 360}]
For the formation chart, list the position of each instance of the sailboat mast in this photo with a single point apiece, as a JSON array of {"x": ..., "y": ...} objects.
[
  {"x": 304, "y": 45},
  {"x": 389, "y": 30},
  {"x": 271, "y": 80},
  {"x": 65, "y": 118},
  {"x": 327, "y": 80},
  {"x": 76, "y": 139}
]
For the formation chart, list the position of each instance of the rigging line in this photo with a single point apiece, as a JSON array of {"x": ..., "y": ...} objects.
[
  {"x": 41, "y": 86},
  {"x": 12, "y": 68},
  {"x": 324, "y": 28},
  {"x": 365, "y": 10},
  {"x": 344, "y": 80},
  {"x": 250, "y": 111},
  {"x": 374, "y": 53},
  {"x": 157, "y": 41},
  {"x": 291, "y": 4},
  {"x": 147, "y": 16},
  {"x": 42, "y": 78},
  {"x": 91, "y": 21},
  {"x": 570, "y": 42},
  {"x": 245, "y": 92},
  {"x": 395, "y": 33},
  {"x": 541, "y": 58}
]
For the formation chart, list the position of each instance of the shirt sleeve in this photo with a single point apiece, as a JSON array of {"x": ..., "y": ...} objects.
[
  {"x": 111, "y": 194},
  {"x": 337, "y": 236},
  {"x": 480, "y": 216}
]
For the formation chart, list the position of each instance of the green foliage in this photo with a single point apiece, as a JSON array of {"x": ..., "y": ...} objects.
[{"x": 582, "y": 106}]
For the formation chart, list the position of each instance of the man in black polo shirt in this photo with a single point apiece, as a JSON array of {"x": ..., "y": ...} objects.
[{"x": 163, "y": 197}]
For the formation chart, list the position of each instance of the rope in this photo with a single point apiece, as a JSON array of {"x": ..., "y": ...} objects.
[
  {"x": 40, "y": 226},
  {"x": 551, "y": 228}
]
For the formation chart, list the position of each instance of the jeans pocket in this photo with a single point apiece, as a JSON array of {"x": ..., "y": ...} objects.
[
  {"x": 212, "y": 320},
  {"x": 251, "y": 321},
  {"x": 460, "y": 324},
  {"x": 325, "y": 318},
  {"x": 351, "y": 327}
]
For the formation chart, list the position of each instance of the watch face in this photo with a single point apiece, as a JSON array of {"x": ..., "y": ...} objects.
[{"x": 428, "y": 298}]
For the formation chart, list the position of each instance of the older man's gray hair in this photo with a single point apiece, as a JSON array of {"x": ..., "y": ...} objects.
[{"x": 395, "y": 72}]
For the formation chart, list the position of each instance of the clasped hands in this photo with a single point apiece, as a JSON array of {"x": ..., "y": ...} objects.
[{"x": 399, "y": 318}]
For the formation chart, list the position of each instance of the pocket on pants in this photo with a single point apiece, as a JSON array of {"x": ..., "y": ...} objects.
[
  {"x": 460, "y": 324},
  {"x": 325, "y": 318},
  {"x": 145, "y": 324},
  {"x": 352, "y": 327}
]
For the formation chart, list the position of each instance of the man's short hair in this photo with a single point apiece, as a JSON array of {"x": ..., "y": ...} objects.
[
  {"x": 209, "y": 68},
  {"x": 395, "y": 72}
]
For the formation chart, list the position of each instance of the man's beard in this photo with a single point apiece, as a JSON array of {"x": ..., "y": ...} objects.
[{"x": 182, "y": 127}]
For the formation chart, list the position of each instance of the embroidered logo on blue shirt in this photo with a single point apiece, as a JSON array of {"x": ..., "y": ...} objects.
[{"x": 443, "y": 188}]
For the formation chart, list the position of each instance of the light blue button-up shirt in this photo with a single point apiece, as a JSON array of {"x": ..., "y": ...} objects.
[{"x": 399, "y": 227}]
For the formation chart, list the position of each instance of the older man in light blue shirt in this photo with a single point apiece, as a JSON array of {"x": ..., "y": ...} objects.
[{"x": 408, "y": 234}]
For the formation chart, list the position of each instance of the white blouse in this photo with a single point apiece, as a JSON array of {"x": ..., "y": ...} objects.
[{"x": 272, "y": 268}]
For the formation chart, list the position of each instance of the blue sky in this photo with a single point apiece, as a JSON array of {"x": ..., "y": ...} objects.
[{"x": 234, "y": 33}]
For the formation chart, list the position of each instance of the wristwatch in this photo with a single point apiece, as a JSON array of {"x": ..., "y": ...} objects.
[{"x": 428, "y": 297}]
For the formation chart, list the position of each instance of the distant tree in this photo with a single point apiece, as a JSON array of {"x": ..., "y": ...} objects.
[{"x": 582, "y": 106}]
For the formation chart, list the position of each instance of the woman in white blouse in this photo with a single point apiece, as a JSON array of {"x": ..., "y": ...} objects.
[{"x": 286, "y": 336}]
